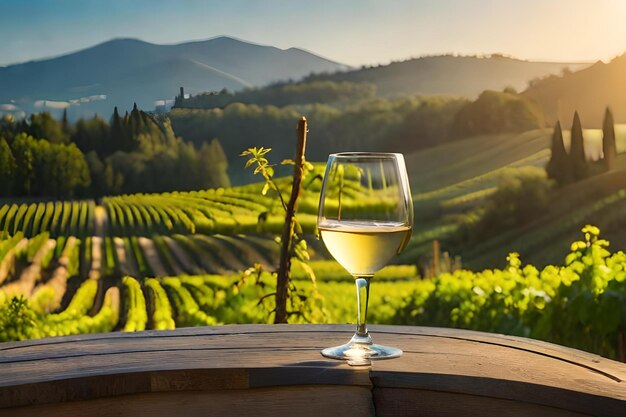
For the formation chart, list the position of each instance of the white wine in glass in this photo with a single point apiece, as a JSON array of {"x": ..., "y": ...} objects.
[{"x": 365, "y": 219}]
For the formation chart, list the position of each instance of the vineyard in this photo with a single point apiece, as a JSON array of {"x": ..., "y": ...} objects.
[
  {"x": 138, "y": 283},
  {"x": 168, "y": 260},
  {"x": 129, "y": 286},
  {"x": 160, "y": 261},
  {"x": 58, "y": 218}
]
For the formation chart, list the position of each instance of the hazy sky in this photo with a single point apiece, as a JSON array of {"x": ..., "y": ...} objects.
[{"x": 354, "y": 32}]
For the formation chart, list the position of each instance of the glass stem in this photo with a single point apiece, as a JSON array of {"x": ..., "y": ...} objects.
[{"x": 362, "y": 298}]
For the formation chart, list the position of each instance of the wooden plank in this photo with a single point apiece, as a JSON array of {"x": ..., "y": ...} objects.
[
  {"x": 102, "y": 386},
  {"x": 614, "y": 368},
  {"x": 527, "y": 393},
  {"x": 425, "y": 354},
  {"x": 486, "y": 360},
  {"x": 155, "y": 343},
  {"x": 303, "y": 401},
  {"x": 65, "y": 390},
  {"x": 199, "y": 379},
  {"x": 76, "y": 367},
  {"x": 446, "y": 361},
  {"x": 481, "y": 337},
  {"x": 400, "y": 402}
]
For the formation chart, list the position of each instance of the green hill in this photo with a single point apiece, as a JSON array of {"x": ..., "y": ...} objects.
[
  {"x": 465, "y": 76},
  {"x": 451, "y": 180},
  {"x": 599, "y": 200},
  {"x": 589, "y": 91}
]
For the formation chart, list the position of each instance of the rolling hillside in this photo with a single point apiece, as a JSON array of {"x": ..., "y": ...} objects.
[
  {"x": 589, "y": 91},
  {"x": 129, "y": 70},
  {"x": 449, "y": 181},
  {"x": 450, "y": 75}
]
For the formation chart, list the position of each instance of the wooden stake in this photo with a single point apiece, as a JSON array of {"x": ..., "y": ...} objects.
[
  {"x": 286, "y": 250},
  {"x": 435, "y": 257}
]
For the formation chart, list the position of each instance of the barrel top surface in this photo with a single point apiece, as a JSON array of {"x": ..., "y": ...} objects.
[{"x": 247, "y": 356}]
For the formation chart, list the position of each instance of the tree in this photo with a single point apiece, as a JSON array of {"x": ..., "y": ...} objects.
[
  {"x": 559, "y": 166},
  {"x": 92, "y": 135},
  {"x": 99, "y": 184},
  {"x": 24, "y": 174},
  {"x": 523, "y": 194},
  {"x": 115, "y": 133},
  {"x": 59, "y": 170},
  {"x": 497, "y": 112},
  {"x": 65, "y": 125},
  {"x": 44, "y": 126},
  {"x": 426, "y": 125},
  {"x": 7, "y": 168},
  {"x": 43, "y": 168},
  {"x": 609, "y": 148},
  {"x": 577, "y": 156},
  {"x": 213, "y": 165}
]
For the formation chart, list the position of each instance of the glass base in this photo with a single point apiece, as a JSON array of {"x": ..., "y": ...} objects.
[{"x": 361, "y": 351}]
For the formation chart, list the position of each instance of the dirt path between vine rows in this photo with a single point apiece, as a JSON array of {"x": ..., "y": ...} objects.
[
  {"x": 58, "y": 281},
  {"x": 98, "y": 263},
  {"x": 152, "y": 257},
  {"x": 128, "y": 266},
  {"x": 31, "y": 274},
  {"x": 182, "y": 263},
  {"x": 7, "y": 263}
]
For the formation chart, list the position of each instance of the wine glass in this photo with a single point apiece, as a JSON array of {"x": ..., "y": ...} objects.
[{"x": 365, "y": 219}]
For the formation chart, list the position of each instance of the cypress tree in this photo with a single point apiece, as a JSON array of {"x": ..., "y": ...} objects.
[
  {"x": 559, "y": 167},
  {"x": 136, "y": 126},
  {"x": 577, "y": 150},
  {"x": 609, "y": 148},
  {"x": 135, "y": 119},
  {"x": 65, "y": 125},
  {"x": 116, "y": 134}
]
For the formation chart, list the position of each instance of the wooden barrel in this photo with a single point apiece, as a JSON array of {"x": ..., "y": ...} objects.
[{"x": 276, "y": 370}]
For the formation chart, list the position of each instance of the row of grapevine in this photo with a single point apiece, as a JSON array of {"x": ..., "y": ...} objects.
[
  {"x": 235, "y": 210},
  {"x": 162, "y": 313},
  {"x": 226, "y": 211},
  {"x": 9, "y": 250},
  {"x": 37, "y": 254},
  {"x": 136, "y": 315},
  {"x": 184, "y": 213},
  {"x": 60, "y": 218},
  {"x": 580, "y": 304},
  {"x": 105, "y": 320},
  {"x": 47, "y": 296},
  {"x": 42, "y": 263},
  {"x": 135, "y": 303}
]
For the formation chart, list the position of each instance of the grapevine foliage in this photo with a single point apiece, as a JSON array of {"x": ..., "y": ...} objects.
[{"x": 581, "y": 304}]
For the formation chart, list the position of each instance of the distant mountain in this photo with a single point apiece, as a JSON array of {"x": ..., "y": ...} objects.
[
  {"x": 130, "y": 70},
  {"x": 450, "y": 75},
  {"x": 589, "y": 91}
]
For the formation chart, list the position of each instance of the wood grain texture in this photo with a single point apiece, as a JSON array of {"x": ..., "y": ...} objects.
[
  {"x": 301, "y": 401},
  {"x": 470, "y": 368},
  {"x": 411, "y": 402}
]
